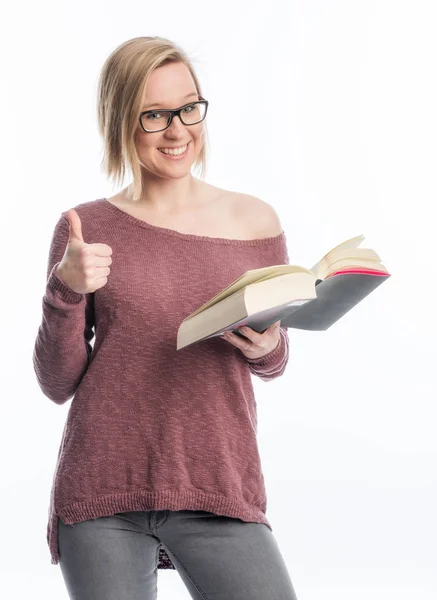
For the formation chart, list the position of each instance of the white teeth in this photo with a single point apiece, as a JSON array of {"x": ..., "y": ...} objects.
[{"x": 175, "y": 151}]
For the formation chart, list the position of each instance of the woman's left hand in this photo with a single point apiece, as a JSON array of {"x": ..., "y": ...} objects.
[{"x": 257, "y": 344}]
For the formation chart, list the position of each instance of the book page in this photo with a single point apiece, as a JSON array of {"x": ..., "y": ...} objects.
[
  {"x": 370, "y": 265},
  {"x": 249, "y": 277},
  {"x": 353, "y": 242},
  {"x": 347, "y": 256}
]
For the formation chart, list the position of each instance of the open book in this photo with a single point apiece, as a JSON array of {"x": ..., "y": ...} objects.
[{"x": 300, "y": 298}]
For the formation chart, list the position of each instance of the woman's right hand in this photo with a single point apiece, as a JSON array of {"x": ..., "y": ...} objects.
[{"x": 84, "y": 267}]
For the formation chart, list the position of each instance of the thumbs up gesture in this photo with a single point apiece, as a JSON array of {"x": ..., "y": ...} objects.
[{"x": 84, "y": 267}]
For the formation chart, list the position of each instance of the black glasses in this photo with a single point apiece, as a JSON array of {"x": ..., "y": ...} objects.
[{"x": 158, "y": 120}]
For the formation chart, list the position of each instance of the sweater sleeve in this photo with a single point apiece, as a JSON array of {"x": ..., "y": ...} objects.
[
  {"x": 62, "y": 347},
  {"x": 273, "y": 364}
]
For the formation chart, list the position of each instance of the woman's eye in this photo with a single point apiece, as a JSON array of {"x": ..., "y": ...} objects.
[{"x": 151, "y": 115}]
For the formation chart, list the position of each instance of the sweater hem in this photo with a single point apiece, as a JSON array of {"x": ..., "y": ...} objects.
[{"x": 109, "y": 504}]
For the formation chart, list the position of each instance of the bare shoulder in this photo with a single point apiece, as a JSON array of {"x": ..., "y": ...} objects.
[{"x": 260, "y": 216}]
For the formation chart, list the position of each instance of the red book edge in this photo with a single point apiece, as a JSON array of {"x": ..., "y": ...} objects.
[{"x": 359, "y": 270}]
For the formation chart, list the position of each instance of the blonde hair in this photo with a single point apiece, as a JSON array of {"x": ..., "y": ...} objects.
[{"x": 121, "y": 85}]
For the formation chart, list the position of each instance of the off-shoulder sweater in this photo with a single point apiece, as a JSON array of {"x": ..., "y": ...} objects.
[{"x": 150, "y": 427}]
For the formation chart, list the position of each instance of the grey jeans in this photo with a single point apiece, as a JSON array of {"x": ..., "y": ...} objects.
[{"x": 217, "y": 557}]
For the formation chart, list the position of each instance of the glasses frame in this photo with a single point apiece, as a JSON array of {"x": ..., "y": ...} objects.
[{"x": 173, "y": 113}]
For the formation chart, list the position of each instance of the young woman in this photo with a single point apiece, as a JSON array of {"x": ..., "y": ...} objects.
[{"x": 158, "y": 467}]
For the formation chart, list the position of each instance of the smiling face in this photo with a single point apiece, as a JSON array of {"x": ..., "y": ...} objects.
[{"x": 170, "y": 86}]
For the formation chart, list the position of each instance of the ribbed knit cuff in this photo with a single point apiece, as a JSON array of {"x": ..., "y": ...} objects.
[
  {"x": 271, "y": 357},
  {"x": 61, "y": 290}
]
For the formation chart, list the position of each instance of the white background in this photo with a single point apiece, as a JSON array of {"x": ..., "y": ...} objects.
[{"x": 326, "y": 110}]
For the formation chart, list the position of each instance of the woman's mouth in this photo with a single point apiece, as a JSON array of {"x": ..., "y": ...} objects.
[{"x": 175, "y": 153}]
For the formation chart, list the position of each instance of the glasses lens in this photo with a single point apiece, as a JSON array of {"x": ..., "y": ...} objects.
[{"x": 191, "y": 114}]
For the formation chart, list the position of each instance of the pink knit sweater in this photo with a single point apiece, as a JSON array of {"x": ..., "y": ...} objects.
[{"x": 150, "y": 427}]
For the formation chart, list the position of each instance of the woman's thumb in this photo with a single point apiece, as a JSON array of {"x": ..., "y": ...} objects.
[{"x": 75, "y": 226}]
